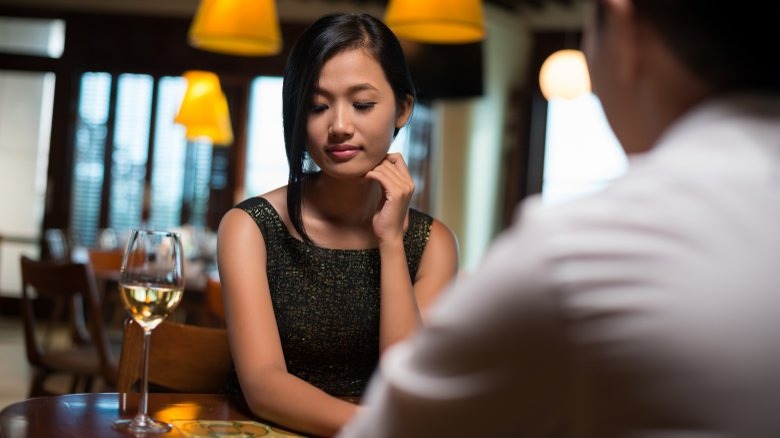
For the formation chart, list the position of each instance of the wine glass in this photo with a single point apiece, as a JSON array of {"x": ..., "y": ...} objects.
[{"x": 151, "y": 284}]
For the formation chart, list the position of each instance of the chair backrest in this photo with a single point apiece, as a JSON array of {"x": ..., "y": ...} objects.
[
  {"x": 182, "y": 358},
  {"x": 214, "y": 298},
  {"x": 105, "y": 263},
  {"x": 71, "y": 289}
]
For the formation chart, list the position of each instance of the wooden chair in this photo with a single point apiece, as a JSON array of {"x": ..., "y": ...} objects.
[
  {"x": 182, "y": 358},
  {"x": 214, "y": 300},
  {"x": 106, "y": 265},
  {"x": 57, "y": 298}
]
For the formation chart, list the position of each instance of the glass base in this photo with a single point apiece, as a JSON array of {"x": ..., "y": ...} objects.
[{"x": 142, "y": 424}]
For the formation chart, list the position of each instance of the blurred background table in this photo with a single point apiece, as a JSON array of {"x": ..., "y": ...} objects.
[{"x": 195, "y": 307}]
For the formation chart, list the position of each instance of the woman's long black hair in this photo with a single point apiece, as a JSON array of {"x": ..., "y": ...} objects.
[{"x": 322, "y": 40}]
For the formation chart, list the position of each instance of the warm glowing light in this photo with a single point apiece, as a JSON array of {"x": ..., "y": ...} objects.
[
  {"x": 204, "y": 110},
  {"x": 437, "y": 21},
  {"x": 237, "y": 27},
  {"x": 564, "y": 75}
]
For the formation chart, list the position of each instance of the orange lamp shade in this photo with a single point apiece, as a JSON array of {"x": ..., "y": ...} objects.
[
  {"x": 437, "y": 21},
  {"x": 564, "y": 74},
  {"x": 204, "y": 110},
  {"x": 237, "y": 27}
]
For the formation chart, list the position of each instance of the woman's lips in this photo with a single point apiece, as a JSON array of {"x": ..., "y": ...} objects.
[{"x": 343, "y": 152}]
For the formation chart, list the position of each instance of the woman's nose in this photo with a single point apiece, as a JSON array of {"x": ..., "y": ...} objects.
[{"x": 341, "y": 123}]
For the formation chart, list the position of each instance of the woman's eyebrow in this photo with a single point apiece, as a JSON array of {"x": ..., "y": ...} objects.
[
  {"x": 351, "y": 90},
  {"x": 361, "y": 87}
]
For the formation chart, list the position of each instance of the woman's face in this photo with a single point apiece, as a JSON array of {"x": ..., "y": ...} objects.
[{"x": 353, "y": 115}]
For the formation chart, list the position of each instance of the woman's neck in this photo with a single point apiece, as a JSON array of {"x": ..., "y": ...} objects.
[{"x": 349, "y": 202}]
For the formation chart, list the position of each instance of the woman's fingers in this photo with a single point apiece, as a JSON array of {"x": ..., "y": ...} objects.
[
  {"x": 398, "y": 187},
  {"x": 393, "y": 174}
]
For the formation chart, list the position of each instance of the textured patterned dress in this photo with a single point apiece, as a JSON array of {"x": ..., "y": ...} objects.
[{"x": 326, "y": 301}]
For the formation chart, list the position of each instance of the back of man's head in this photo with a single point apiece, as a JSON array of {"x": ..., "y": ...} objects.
[{"x": 731, "y": 45}]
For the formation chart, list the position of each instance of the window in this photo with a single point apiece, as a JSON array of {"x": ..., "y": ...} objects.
[
  {"x": 32, "y": 36},
  {"x": 130, "y": 151},
  {"x": 197, "y": 179},
  {"x": 26, "y": 108},
  {"x": 266, "y": 159},
  {"x": 164, "y": 204},
  {"x": 88, "y": 169},
  {"x": 582, "y": 154},
  {"x": 131, "y": 156},
  {"x": 414, "y": 143}
]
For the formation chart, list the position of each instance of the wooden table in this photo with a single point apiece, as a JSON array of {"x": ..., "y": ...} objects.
[{"x": 91, "y": 415}]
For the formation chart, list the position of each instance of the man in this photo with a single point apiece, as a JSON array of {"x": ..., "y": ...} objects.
[{"x": 651, "y": 309}]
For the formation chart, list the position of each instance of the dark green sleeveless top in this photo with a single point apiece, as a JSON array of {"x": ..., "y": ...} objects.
[{"x": 326, "y": 301}]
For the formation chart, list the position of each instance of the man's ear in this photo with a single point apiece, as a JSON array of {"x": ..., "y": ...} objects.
[{"x": 404, "y": 111}]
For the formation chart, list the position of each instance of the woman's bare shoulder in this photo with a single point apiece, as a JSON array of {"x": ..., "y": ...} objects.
[
  {"x": 442, "y": 242},
  {"x": 278, "y": 200}
]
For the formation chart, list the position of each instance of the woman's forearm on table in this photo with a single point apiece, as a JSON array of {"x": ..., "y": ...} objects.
[{"x": 296, "y": 404}]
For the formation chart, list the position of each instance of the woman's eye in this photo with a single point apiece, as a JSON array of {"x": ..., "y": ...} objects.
[
  {"x": 318, "y": 108},
  {"x": 363, "y": 106}
]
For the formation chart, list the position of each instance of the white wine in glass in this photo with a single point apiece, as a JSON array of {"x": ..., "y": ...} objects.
[
  {"x": 151, "y": 285},
  {"x": 150, "y": 304}
]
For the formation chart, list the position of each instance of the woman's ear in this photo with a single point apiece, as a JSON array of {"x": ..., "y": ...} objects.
[{"x": 404, "y": 111}]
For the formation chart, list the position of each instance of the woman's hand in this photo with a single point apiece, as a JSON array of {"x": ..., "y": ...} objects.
[{"x": 397, "y": 189}]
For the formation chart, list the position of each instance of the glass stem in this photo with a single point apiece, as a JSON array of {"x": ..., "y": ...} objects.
[{"x": 145, "y": 375}]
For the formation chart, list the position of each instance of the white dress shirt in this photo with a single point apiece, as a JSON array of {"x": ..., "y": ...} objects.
[{"x": 651, "y": 309}]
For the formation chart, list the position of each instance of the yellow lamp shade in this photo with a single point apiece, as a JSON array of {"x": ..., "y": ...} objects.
[
  {"x": 237, "y": 27},
  {"x": 204, "y": 110},
  {"x": 564, "y": 75},
  {"x": 437, "y": 21}
]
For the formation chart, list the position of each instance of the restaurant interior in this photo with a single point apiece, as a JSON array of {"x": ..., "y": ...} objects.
[{"x": 94, "y": 139}]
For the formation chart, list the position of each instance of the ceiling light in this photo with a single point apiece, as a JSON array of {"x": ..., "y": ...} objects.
[
  {"x": 204, "y": 110},
  {"x": 237, "y": 27},
  {"x": 564, "y": 74},
  {"x": 437, "y": 21}
]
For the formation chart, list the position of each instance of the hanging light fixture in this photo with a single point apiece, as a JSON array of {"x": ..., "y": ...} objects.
[
  {"x": 237, "y": 27},
  {"x": 204, "y": 110},
  {"x": 437, "y": 21},
  {"x": 564, "y": 74}
]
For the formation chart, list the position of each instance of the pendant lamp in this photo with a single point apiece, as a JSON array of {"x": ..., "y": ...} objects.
[
  {"x": 204, "y": 110},
  {"x": 237, "y": 27},
  {"x": 437, "y": 21},
  {"x": 564, "y": 74}
]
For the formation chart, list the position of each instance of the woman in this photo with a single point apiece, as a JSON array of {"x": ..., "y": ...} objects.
[{"x": 322, "y": 275}]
